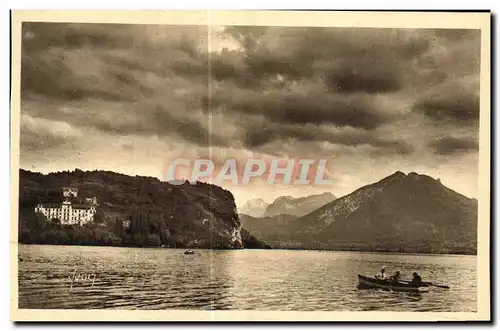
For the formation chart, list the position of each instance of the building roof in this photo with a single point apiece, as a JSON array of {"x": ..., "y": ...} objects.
[
  {"x": 75, "y": 206},
  {"x": 50, "y": 205}
]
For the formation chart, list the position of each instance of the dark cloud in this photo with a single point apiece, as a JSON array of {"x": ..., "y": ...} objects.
[
  {"x": 54, "y": 79},
  {"x": 187, "y": 128},
  {"x": 354, "y": 96},
  {"x": 453, "y": 145},
  {"x": 40, "y": 35},
  {"x": 150, "y": 119},
  {"x": 231, "y": 66},
  {"x": 48, "y": 75},
  {"x": 80, "y": 61},
  {"x": 343, "y": 86},
  {"x": 307, "y": 106},
  {"x": 348, "y": 60},
  {"x": 35, "y": 141},
  {"x": 117, "y": 71},
  {"x": 40, "y": 135},
  {"x": 458, "y": 35},
  {"x": 299, "y": 110},
  {"x": 259, "y": 135},
  {"x": 366, "y": 78},
  {"x": 454, "y": 103}
]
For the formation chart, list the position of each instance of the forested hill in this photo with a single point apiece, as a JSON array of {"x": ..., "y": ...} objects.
[{"x": 132, "y": 211}]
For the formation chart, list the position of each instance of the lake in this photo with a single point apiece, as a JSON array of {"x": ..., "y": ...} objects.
[{"x": 149, "y": 278}]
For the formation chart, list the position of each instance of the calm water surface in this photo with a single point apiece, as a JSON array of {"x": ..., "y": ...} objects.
[{"x": 136, "y": 278}]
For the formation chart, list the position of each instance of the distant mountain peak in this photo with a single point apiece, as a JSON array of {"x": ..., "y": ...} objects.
[
  {"x": 413, "y": 174},
  {"x": 411, "y": 179},
  {"x": 298, "y": 206},
  {"x": 414, "y": 178},
  {"x": 257, "y": 200},
  {"x": 254, "y": 207}
]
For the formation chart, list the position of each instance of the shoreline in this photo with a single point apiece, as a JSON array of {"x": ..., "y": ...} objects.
[{"x": 262, "y": 249}]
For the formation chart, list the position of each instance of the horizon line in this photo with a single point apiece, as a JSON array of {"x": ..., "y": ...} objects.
[{"x": 186, "y": 180}]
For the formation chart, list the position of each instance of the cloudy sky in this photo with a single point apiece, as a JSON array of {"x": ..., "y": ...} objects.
[{"x": 131, "y": 98}]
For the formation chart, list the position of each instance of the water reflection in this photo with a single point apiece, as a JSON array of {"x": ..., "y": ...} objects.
[{"x": 130, "y": 278}]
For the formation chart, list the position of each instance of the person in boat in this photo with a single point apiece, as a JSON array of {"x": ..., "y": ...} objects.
[
  {"x": 417, "y": 280},
  {"x": 382, "y": 274},
  {"x": 396, "y": 277}
]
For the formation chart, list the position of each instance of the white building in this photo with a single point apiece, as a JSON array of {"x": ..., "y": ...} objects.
[
  {"x": 70, "y": 192},
  {"x": 67, "y": 212}
]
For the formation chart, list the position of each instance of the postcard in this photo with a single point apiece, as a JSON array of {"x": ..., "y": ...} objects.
[{"x": 250, "y": 166}]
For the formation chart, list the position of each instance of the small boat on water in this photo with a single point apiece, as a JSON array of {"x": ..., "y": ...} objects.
[
  {"x": 188, "y": 251},
  {"x": 388, "y": 285}
]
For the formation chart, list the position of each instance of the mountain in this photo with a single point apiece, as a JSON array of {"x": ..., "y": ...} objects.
[
  {"x": 133, "y": 211},
  {"x": 410, "y": 213},
  {"x": 274, "y": 229},
  {"x": 298, "y": 206},
  {"x": 254, "y": 207},
  {"x": 249, "y": 241}
]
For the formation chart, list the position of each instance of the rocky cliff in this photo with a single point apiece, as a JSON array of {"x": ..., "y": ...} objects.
[
  {"x": 274, "y": 229},
  {"x": 143, "y": 211},
  {"x": 249, "y": 241}
]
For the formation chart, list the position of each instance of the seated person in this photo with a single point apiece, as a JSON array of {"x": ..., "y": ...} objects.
[
  {"x": 381, "y": 275},
  {"x": 417, "y": 280},
  {"x": 395, "y": 278}
]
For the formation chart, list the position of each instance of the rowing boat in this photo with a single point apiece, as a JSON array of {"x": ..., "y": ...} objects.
[{"x": 389, "y": 285}]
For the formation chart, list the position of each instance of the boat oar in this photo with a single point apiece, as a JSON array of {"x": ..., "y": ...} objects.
[
  {"x": 437, "y": 285},
  {"x": 427, "y": 283}
]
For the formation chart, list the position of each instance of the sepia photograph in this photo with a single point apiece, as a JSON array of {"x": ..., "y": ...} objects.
[{"x": 319, "y": 166}]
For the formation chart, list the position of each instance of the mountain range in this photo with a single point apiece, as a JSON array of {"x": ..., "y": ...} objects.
[
  {"x": 298, "y": 206},
  {"x": 285, "y": 205},
  {"x": 404, "y": 213}
]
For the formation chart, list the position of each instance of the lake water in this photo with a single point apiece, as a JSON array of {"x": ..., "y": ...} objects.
[{"x": 146, "y": 278}]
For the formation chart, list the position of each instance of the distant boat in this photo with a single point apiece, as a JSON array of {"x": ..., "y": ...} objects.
[
  {"x": 369, "y": 282},
  {"x": 189, "y": 251}
]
